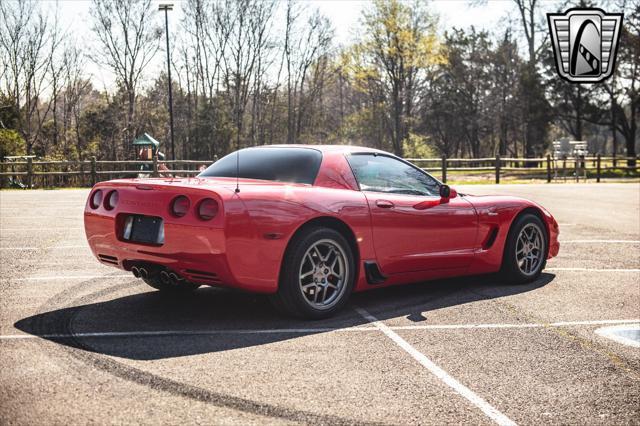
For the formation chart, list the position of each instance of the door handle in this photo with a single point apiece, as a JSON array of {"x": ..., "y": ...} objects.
[{"x": 384, "y": 204}]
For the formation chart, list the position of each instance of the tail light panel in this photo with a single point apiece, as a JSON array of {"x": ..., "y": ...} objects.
[
  {"x": 180, "y": 206},
  {"x": 96, "y": 199},
  {"x": 111, "y": 200},
  {"x": 207, "y": 209}
]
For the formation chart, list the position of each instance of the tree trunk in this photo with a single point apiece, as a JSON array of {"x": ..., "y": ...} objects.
[
  {"x": 578, "y": 129},
  {"x": 397, "y": 120},
  {"x": 130, "y": 129},
  {"x": 631, "y": 139}
]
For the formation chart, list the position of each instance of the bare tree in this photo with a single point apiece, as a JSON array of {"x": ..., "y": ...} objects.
[
  {"x": 76, "y": 89},
  {"x": 55, "y": 70},
  {"x": 208, "y": 26},
  {"x": 306, "y": 42},
  {"x": 128, "y": 39},
  {"x": 24, "y": 40},
  {"x": 248, "y": 27}
]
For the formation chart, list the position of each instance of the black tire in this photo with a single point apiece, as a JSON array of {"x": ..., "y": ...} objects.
[
  {"x": 291, "y": 299},
  {"x": 512, "y": 271},
  {"x": 184, "y": 287}
]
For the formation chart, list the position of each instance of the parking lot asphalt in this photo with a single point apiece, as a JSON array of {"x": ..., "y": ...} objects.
[{"x": 84, "y": 343}]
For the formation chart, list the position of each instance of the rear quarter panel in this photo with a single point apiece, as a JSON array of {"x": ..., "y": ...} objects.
[{"x": 255, "y": 251}]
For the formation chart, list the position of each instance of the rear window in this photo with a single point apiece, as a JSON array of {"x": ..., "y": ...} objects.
[{"x": 295, "y": 165}]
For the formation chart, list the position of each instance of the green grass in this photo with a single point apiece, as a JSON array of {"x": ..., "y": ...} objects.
[{"x": 529, "y": 181}]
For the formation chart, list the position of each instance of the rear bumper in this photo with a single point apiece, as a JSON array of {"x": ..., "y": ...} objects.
[{"x": 197, "y": 253}]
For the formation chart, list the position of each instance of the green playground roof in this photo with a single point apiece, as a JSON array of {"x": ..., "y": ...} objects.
[{"x": 146, "y": 139}]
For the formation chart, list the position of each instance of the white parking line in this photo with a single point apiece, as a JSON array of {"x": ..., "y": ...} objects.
[
  {"x": 523, "y": 325},
  {"x": 40, "y": 229},
  {"x": 169, "y": 333},
  {"x": 593, "y": 269},
  {"x": 44, "y": 248},
  {"x": 6, "y": 218},
  {"x": 599, "y": 241},
  {"x": 434, "y": 327},
  {"x": 47, "y": 204},
  {"x": 88, "y": 262},
  {"x": 629, "y": 336},
  {"x": 54, "y": 210},
  {"x": 47, "y": 209},
  {"x": 461, "y": 389},
  {"x": 66, "y": 277}
]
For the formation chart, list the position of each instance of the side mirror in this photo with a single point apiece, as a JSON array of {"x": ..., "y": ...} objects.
[{"x": 447, "y": 192}]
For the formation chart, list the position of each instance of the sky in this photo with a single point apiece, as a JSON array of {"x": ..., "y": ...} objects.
[{"x": 344, "y": 14}]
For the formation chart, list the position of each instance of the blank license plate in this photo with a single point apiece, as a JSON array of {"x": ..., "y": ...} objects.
[{"x": 144, "y": 229}]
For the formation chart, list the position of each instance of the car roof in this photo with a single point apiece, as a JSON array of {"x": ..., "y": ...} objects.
[{"x": 326, "y": 148}]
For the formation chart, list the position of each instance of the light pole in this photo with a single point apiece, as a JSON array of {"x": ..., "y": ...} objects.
[{"x": 167, "y": 7}]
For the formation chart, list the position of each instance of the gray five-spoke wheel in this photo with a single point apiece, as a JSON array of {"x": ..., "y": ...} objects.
[
  {"x": 323, "y": 274},
  {"x": 529, "y": 249}
]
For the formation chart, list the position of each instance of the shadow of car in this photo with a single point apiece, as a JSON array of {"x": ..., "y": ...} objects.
[{"x": 153, "y": 325}]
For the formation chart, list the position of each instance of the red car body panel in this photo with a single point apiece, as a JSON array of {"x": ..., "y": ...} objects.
[
  {"x": 406, "y": 239},
  {"x": 420, "y": 238}
]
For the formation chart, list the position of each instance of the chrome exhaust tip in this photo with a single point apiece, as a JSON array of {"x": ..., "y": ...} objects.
[
  {"x": 175, "y": 278},
  {"x": 144, "y": 273},
  {"x": 165, "y": 278},
  {"x": 135, "y": 271}
]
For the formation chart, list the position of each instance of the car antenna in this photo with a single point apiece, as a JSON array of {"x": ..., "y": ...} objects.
[{"x": 238, "y": 168}]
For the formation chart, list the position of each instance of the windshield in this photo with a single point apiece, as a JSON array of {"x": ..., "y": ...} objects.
[{"x": 294, "y": 165}]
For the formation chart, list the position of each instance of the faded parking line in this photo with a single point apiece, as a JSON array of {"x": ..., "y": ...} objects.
[
  {"x": 80, "y": 217},
  {"x": 599, "y": 241},
  {"x": 593, "y": 269},
  {"x": 309, "y": 330},
  {"x": 44, "y": 248},
  {"x": 40, "y": 229},
  {"x": 516, "y": 325},
  {"x": 67, "y": 277}
]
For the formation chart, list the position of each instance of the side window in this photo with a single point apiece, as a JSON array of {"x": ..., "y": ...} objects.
[{"x": 380, "y": 173}]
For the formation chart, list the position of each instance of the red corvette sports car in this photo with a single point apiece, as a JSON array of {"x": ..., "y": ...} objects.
[{"x": 311, "y": 224}]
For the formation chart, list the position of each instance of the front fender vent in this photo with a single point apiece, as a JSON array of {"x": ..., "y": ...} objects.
[{"x": 491, "y": 238}]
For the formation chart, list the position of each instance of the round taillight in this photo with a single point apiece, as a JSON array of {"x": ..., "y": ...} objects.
[
  {"x": 96, "y": 199},
  {"x": 111, "y": 201},
  {"x": 180, "y": 206},
  {"x": 207, "y": 209}
]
